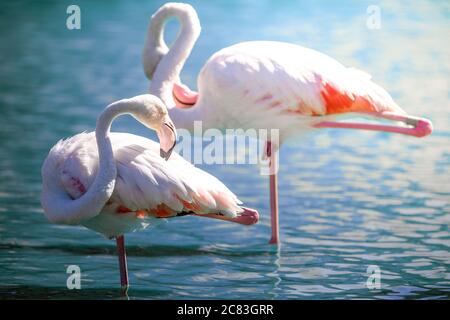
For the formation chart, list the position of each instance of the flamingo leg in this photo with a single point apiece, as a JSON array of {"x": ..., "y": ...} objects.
[
  {"x": 120, "y": 241},
  {"x": 273, "y": 181}
]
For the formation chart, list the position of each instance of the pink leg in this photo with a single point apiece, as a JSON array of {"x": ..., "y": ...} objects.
[
  {"x": 122, "y": 264},
  {"x": 272, "y": 156}
]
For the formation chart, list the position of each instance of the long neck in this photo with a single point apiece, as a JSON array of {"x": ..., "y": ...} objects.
[
  {"x": 58, "y": 206},
  {"x": 169, "y": 68}
]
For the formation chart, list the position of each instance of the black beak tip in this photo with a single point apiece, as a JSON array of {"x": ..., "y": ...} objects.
[{"x": 164, "y": 155}]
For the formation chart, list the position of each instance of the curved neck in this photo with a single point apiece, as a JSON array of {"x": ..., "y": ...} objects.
[
  {"x": 169, "y": 68},
  {"x": 58, "y": 205}
]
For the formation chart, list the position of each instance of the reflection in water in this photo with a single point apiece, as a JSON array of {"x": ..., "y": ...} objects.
[
  {"x": 347, "y": 199},
  {"x": 275, "y": 292}
]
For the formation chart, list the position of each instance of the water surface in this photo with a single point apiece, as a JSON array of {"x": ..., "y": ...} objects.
[{"x": 348, "y": 199}]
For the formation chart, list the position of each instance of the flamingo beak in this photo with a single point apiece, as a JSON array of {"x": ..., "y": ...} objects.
[
  {"x": 417, "y": 127},
  {"x": 167, "y": 139},
  {"x": 183, "y": 96}
]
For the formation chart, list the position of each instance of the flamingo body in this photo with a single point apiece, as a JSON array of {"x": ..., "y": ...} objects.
[
  {"x": 264, "y": 84},
  {"x": 147, "y": 186},
  {"x": 114, "y": 183}
]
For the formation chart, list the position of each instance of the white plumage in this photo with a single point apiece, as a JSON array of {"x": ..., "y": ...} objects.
[
  {"x": 114, "y": 183},
  {"x": 265, "y": 85},
  {"x": 144, "y": 181}
]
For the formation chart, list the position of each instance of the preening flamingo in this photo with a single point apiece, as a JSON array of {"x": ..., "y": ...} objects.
[
  {"x": 115, "y": 183},
  {"x": 265, "y": 85}
]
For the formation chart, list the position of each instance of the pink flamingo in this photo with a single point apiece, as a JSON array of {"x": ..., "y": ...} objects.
[
  {"x": 115, "y": 183},
  {"x": 265, "y": 85}
]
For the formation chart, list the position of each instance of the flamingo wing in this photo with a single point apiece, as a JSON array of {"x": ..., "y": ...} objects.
[{"x": 146, "y": 183}]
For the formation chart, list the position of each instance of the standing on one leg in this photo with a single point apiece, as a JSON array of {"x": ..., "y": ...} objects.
[
  {"x": 264, "y": 84},
  {"x": 115, "y": 183}
]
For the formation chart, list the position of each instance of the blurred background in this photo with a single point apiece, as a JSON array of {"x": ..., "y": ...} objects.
[{"x": 348, "y": 199}]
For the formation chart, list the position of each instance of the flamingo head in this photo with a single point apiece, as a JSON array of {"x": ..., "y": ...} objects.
[
  {"x": 152, "y": 112},
  {"x": 247, "y": 217},
  {"x": 377, "y": 104}
]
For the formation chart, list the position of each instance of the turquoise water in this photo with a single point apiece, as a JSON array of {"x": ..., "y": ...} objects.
[{"x": 348, "y": 199}]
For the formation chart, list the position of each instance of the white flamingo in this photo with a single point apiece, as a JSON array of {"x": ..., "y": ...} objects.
[
  {"x": 265, "y": 85},
  {"x": 114, "y": 183}
]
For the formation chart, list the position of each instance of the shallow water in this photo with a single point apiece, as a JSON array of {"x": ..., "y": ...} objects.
[{"x": 348, "y": 199}]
